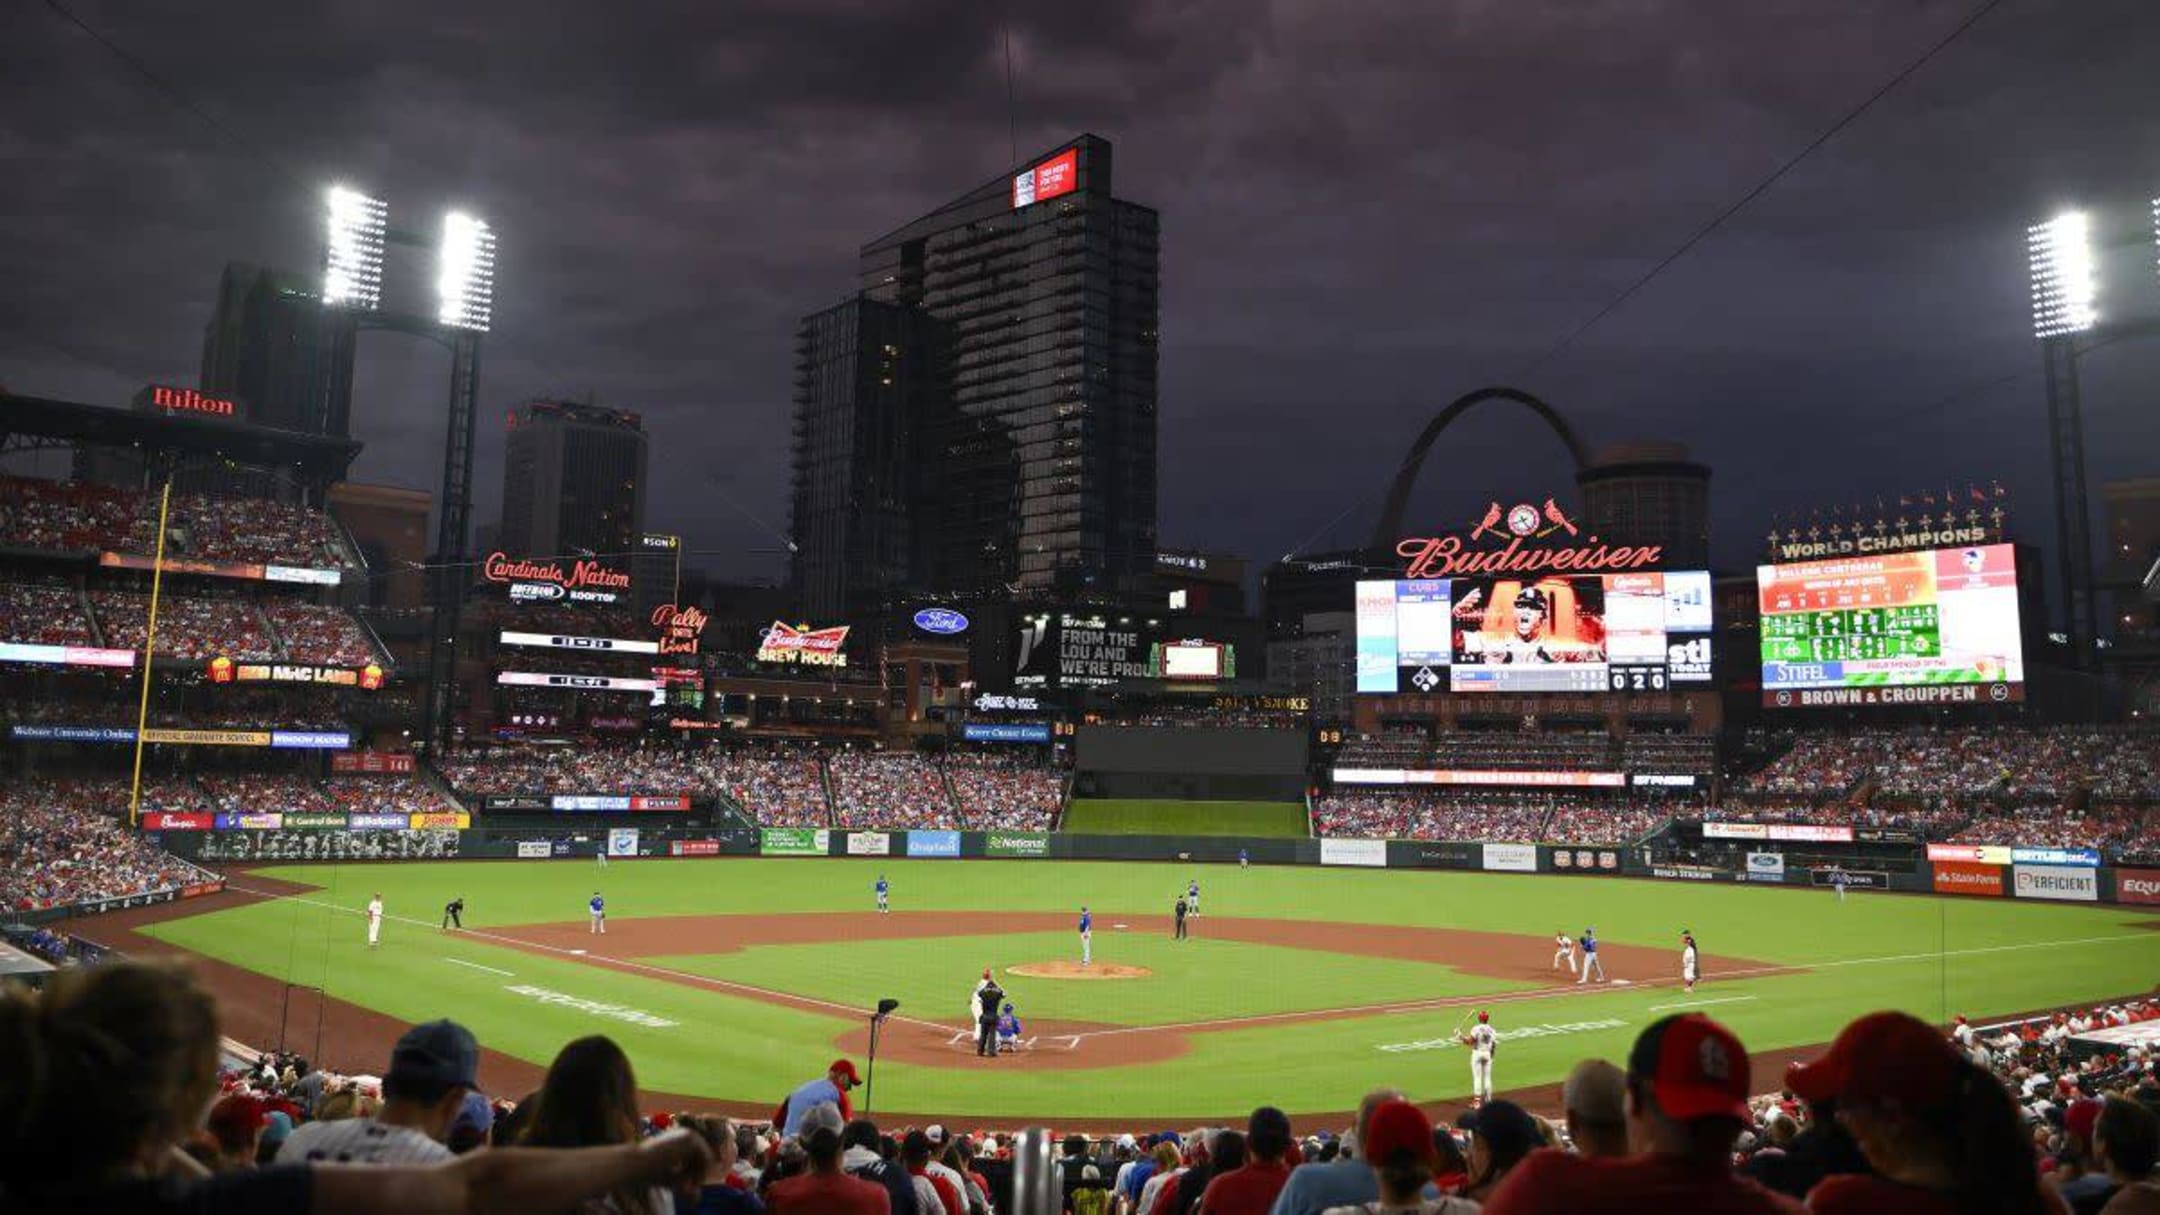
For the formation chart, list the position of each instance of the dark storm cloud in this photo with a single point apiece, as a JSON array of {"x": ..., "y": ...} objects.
[{"x": 1366, "y": 210}]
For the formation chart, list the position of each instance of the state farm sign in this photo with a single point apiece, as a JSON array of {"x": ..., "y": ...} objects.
[
  {"x": 2137, "y": 886},
  {"x": 1967, "y": 877}
]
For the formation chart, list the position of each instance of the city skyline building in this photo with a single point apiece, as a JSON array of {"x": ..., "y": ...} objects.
[{"x": 573, "y": 481}]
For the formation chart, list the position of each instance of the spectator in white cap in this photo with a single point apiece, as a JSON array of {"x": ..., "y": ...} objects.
[{"x": 936, "y": 1166}]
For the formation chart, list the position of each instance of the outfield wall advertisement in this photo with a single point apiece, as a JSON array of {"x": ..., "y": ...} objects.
[
  {"x": 869, "y": 843},
  {"x": 2061, "y": 883},
  {"x": 933, "y": 843},
  {"x": 1369, "y": 853},
  {"x": 1511, "y": 858},
  {"x": 1968, "y": 878},
  {"x": 2141, "y": 886},
  {"x": 794, "y": 841},
  {"x": 1016, "y": 843}
]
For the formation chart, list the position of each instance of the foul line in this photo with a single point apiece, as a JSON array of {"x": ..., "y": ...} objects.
[
  {"x": 1701, "y": 1003},
  {"x": 683, "y": 976},
  {"x": 477, "y": 966},
  {"x": 1562, "y": 990}
]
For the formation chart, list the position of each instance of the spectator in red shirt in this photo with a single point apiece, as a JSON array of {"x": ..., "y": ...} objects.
[
  {"x": 1687, "y": 1091},
  {"x": 1942, "y": 1134},
  {"x": 1251, "y": 1190},
  {"x": 915, "y": 1154},
  {"x": 825, "y": 1189}
]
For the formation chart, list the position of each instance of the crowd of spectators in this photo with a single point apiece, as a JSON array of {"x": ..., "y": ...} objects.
[
  {"x": 1969, "y": 761},
  {"x": 72, "y": 516},
  {"x": 201, "y": 627},
  {"x": 779, "y": 785},
  {"x": 649, "y": 771},
  {"x": 1497, "y": 815},
  {"x": 1894, "y": 1115},
  {"x": 63, "y": 842},
  {"x": 314, "y": 633},
  {"x": 1001, "y": 791},
  {"x": 43, "y": 612},
  {"x": 889, "y": 789}
]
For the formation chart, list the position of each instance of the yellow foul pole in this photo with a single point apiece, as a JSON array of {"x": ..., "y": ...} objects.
[{"x": 142, "y": 712}]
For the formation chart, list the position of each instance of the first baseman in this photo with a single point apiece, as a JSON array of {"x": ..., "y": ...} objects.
[
  {"x": 1087, "y": 937},
  {"x": 1563, "y": 951},
  {"x": 374, "y": 920},
  {"x": 598, "y": 907},
  {"x": 1482, "y": 1041},
  {"x": 1589, "y": 957}
]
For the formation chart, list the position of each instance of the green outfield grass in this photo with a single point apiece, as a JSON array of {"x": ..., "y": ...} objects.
[
  {"x": 1163, "y": 816},
  {"x": 1933, "y": 957}
]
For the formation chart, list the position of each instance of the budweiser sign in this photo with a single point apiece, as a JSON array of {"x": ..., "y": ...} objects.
[
  {"x": 581, "y": 576},
  {"x": 680, "y": 627},
  {"x": 1512, "y": 540},
  {"x": 801, "y": 644}
]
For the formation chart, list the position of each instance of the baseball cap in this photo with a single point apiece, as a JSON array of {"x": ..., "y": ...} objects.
[
  {"x": 1695, "y": 1067},
  {"x": 936, "y": 1132},
  {"x": 2081, "y": 1117},
  {"x": 238, "y": 1114},
  {"x": 1885, "y": 1054},
  {"x": 476, "y": 1116},
  {"x": 824, "y": 1116},
  {"x": 845, "y": 1068},
  {"x": 1123, "y": 1141},
  {"x": 1398, "y": 1126},
  {"x": 276, "y": 1127},
  {"x": 1505, "y": 1126},
  {"x": 437, "y": 1053}
]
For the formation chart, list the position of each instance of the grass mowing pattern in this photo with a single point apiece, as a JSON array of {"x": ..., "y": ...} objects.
[
  {"x": 1933, "y": 957},
  {"x": 1160, "y": 816}
]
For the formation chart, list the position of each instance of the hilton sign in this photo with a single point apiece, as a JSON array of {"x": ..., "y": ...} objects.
[{"x": 167, "y": 399}]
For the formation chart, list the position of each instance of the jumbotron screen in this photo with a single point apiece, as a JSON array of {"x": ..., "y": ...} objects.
[
  {"x": 1854, "y": 630},
  {"x": 1636, "y": 632}
]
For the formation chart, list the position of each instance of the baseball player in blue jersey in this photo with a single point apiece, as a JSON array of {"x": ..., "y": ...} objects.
[
  {"x": 884, "y": 891},
  {"x": 598, "y": 907},
  {"x": 1192, "y": 897},
  {"x": 1087, "y": 937},
  {"x": 1589, "y": 957}
]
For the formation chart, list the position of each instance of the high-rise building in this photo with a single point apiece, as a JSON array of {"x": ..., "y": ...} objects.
[
  {"x": 1036, "y": 415},
  {"x": 266, "y": 347},
  {"x": 860, "y": 455},
  {"x": 573, "y": 482},
  {"x": 1650, "y": 493}
]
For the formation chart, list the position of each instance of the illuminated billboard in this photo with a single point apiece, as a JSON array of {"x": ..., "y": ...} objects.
[
  {"x": 533, "y": 581},
  {"x": 1040, "y": 183},
  {"x": 799, "y": 643},
  {"x": 564, "y": 641},
  {"x": 1193, "y": 659},
  {"x": 1624, "y": 632},
  {"x": 1931, "y": 627}
]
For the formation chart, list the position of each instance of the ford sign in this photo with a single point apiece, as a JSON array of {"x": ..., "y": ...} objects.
[{"x": 942, "y": 621}]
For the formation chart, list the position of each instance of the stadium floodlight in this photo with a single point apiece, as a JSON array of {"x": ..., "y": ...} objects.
[
  {"x": 2065, "y": 283},
  {"x": 466, "y": 284},
  {"x": 357, "y": 227}
]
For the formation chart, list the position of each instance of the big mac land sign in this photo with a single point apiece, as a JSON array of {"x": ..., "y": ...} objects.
[{"x": 1521, "y": 539}]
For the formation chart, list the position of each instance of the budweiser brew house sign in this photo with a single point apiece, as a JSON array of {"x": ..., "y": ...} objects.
[
  {"x": 799, "y": 643},
  {"x": 531, "y": 581},
  {"x": 1521, "y": 539}
]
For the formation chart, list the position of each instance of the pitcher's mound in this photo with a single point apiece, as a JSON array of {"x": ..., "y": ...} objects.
[{"x": 1074, "y": 970}]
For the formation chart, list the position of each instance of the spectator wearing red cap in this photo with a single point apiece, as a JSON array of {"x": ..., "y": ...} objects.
[
  {"x": 1942, "y": 1135},
  {"x": 1251, "y": 1189},
  {"x": 2079, "y": 1179},
  {"x": 831, "y": 1087},
  {"x": 236, "y": 1123},
  {"x": 1398, "y": 1144},
  {"x": 1687, "y": 1091}
]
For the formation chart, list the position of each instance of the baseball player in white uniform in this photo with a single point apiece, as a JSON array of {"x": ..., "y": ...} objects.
[
  {"x": 1563, "y": 951},
  {"x": 1688, "y": 971},
  {"x": 1481, "y": 1040},
  {"x": 374, "y": 920}
]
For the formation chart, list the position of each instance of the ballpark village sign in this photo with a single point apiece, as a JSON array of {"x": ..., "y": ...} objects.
[{"x": 1525, "y": 529}]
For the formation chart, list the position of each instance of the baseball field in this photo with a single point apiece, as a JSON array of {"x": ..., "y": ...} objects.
[{"x": 731, "y": 980}]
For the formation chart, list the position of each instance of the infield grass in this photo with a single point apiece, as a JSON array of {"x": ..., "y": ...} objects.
[{"x": 1933, "y": 957}]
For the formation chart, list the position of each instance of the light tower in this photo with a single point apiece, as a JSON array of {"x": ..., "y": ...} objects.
[
  {"x": 2065, "y": 299},
  {"x": 356, "y": 233}
]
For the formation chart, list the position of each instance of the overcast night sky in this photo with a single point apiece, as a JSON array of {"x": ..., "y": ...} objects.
[{"x": 1367, "y": 208}]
